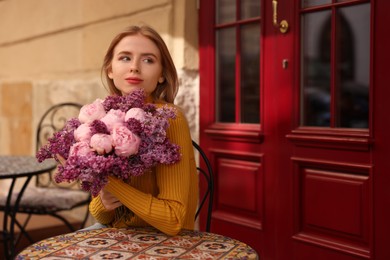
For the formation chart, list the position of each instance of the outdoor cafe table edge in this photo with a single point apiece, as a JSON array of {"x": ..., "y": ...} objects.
[{"x": 138, "y": 243}]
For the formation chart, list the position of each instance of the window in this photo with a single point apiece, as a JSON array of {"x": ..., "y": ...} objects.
[
  {"x": 237, "y": 37},
  {"x": 335, "y": 63}
]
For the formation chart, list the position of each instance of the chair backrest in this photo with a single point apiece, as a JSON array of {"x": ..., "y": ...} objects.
[
  {"x": 53, "y": 120},
  {"x": 207, "y": 173}
]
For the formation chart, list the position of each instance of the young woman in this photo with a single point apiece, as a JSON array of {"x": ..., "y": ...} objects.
[{"x": 165, "y": 197}]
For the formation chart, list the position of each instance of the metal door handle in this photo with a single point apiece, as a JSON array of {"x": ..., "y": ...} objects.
[{"x": 283, "y": 26}]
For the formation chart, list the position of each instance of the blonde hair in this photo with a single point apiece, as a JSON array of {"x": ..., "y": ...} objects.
[{"x": 167, "y": 90}]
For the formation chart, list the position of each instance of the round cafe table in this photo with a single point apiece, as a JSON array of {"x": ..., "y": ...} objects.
[
  {"x": 138, "y": 243},
  {"x": 17, "y": 168}
]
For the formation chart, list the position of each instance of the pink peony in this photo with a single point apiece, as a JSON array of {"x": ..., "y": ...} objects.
[
  {"x": 80, "y": 149},
  {"x": 112, "y": 118},
  {"x": 101, "y": 143},
  {"x": 91, "y": 112},
  {"x": 83, "y": 133},
  {"x": 125, "y": 142},
  {"x": 136, "y": 113}
]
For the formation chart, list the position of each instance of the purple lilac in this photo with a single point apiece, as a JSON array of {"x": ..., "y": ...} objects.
[
  {"x": 134, "y": 126},
  {"x": 72, "y": 124},
  {"x": 124, "y": 103},
  {"x": 58, "y": 144},
  {"x": 91, "y": 171},
  {"x": 112, "y": 102},
  {"x": 98, "y": 127}
]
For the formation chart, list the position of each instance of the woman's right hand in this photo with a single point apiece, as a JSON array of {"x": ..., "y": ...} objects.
[
  {"x": 110, "y": 202},
  {"x": 61, "y": 159}
]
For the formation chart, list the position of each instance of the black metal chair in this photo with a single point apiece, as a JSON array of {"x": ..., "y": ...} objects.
[
  {"x": 47, "y": 197},
  {"x": 208, "y": 196}
]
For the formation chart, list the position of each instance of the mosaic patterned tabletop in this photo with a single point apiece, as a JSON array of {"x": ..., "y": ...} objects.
[{"x": 138, "y": 243}]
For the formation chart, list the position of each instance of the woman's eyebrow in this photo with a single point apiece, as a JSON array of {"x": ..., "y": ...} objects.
[
  {"x": 149, "y": 54},
  {"x": 142, "y": 54}
]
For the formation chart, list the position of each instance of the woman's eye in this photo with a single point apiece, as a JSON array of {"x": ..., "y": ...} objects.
[
  {"x": 148, "y": 60},
  {"x": 124, "y": 58}
]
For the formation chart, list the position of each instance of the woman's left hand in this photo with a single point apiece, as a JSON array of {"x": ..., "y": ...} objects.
[{"x": 110, "y": 202}]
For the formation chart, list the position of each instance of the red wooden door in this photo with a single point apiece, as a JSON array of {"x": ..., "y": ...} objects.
[{"x": 295, "y": 124}]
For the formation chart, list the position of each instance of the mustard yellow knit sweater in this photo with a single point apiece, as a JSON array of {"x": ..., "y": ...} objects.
[{"x": 165, "y": 198}]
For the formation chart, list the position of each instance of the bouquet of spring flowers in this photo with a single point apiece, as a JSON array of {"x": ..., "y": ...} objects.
[{"x": 119, "y": 136}]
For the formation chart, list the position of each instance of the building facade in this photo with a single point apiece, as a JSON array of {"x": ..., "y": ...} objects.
[{"x": 52, "y": 51}]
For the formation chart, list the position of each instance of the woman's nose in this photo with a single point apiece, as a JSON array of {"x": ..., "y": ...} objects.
[{"x": 134, "y": 67}]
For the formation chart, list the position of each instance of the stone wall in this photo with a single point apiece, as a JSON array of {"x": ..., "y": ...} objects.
[{"x": 51, "y": 51}]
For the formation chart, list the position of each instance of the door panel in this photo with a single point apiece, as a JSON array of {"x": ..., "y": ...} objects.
[
  {"x": 332, "y": 205},
  {"x": 239, "y": 201}
]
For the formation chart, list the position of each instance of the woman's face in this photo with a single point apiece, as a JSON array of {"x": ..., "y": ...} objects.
[{"x": 136, "y": 64}]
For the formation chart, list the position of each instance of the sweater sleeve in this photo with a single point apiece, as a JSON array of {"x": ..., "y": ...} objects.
[{"x": 167, "y": 210}]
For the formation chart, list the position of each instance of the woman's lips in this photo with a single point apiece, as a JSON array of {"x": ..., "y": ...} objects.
[{"x": 133, "y": 80}]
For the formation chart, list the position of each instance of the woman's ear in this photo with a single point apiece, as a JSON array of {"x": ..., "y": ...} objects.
[
  {"x": 161, "y": 80},
  {"x": 109, "y": 72}
]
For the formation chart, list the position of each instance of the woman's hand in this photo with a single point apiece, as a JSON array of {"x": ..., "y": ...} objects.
[
  {"x": 110, "y": 202},
  {"x": 61, "y": 159}
]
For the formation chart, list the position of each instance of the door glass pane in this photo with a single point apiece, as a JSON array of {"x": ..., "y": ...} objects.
[
  {"x": 315, "y": 73},
  {"x": 226, "y": 11},
  {"x": 225, "y": 75},
  {"x": 250, "y": 8},
  {"x": 353, "y": 63},
  {"x": 250, "y": 70},
  {"x": 311, "y": 3}
]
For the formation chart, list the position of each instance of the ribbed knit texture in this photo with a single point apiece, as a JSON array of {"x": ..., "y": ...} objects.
[{"x": 165, "y": 197}]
